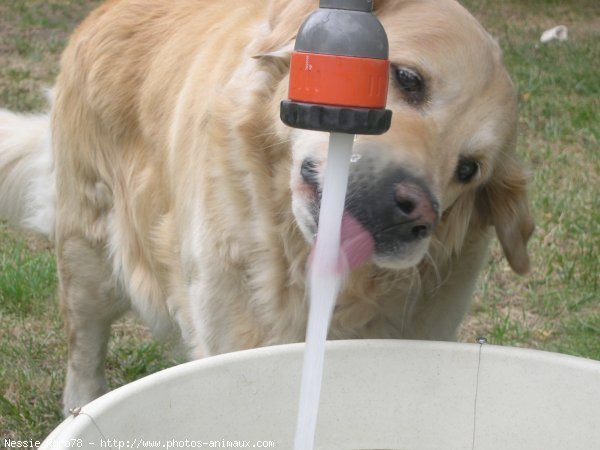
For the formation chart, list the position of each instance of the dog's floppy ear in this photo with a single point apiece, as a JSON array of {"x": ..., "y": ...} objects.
[
  {"x": 503, "y": 203},
  {"x": 283, "y": 21}
]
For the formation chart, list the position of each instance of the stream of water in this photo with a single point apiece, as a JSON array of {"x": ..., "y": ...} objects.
[{"x": 325, "y": 280}]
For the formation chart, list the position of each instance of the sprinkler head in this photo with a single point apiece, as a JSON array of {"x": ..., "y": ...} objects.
[{"x": 339, "y": 71}]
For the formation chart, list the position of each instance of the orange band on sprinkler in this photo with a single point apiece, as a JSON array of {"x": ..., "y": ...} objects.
[{"x": 338, "y": 80}]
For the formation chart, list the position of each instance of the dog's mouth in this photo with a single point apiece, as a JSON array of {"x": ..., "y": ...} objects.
[
  {"x": 359, "y": 244},
  {"x": 389, "y": 214}
]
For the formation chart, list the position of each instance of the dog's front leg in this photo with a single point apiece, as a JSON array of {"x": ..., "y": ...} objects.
[{"x": 90, "y": 303}]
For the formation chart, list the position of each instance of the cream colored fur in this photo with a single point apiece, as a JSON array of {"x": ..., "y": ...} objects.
[
  {"x": 175, "y": 178},
  {"x": 27, "y": 191}
]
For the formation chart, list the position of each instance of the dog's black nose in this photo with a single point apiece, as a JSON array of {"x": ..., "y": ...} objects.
[
  {"x": 415, "y": 208},
  {"x": 395, "y": 206}
]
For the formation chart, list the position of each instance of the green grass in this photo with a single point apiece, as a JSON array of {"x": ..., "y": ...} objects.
[
  {"x": 26, "y": 278},
  {"x": 556, "y": 307},
  {"x": 32, "y": 341}
]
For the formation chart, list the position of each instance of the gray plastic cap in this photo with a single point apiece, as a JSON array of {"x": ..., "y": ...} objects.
[
  {"x": 343, "y": 32},
  {"x": 353, "y": 5}
]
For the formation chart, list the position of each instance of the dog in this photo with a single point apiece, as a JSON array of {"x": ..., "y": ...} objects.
[{"x": 170, "y": 186}]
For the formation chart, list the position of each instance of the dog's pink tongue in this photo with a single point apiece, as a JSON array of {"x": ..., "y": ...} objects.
[{"x": 357, "y": 244}]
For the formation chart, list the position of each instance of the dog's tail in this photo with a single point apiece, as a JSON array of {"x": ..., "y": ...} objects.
[{"x": 27, "y": 183}]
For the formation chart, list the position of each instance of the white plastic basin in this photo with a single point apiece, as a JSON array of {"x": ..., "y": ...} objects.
[{"x": 407, "y": 395}]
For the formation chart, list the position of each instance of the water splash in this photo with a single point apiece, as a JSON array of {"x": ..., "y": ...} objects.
[{"x": 325, "y": 281}]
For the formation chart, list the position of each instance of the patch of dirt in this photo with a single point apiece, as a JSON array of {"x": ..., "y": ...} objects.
[{"x": 131, "y": 327}]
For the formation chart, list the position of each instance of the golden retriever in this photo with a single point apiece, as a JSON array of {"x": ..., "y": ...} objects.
[{"x": 172, "y": 188}]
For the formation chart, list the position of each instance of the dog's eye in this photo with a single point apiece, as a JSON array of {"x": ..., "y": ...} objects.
[
  {"x": 466, "y": 170},
  {"x": 410, "y": 83}
]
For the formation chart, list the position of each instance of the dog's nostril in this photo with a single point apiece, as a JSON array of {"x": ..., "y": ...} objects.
[
  {"x": 406, "y": 206},
  {"x": 408, "y": 197},
  {"x": 421, "y": 231}
]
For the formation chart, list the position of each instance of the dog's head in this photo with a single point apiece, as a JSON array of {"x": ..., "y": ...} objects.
[{"x": 448, "y": 159}]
